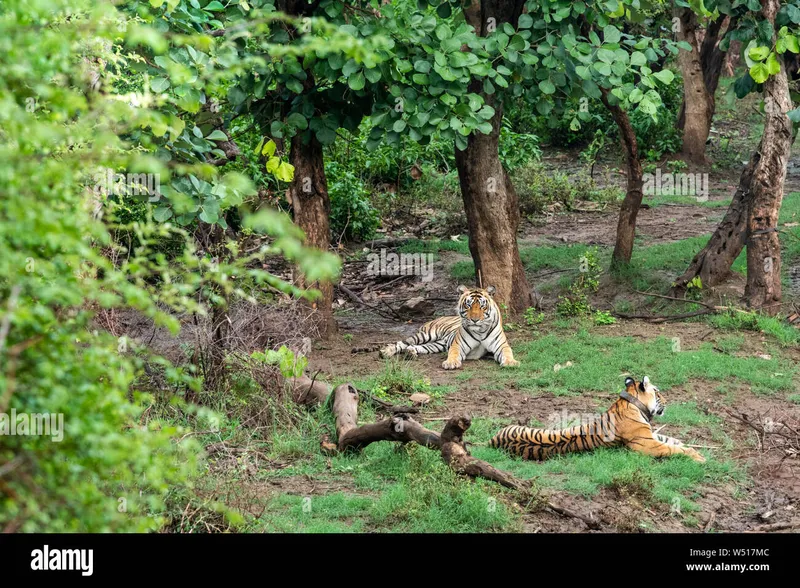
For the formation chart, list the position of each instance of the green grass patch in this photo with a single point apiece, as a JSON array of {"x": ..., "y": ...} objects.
[
  {"x": 410, "y": 489},
  {"x": 600, "y": 363},
  {"x": 671, "y": 481},
  {"x": 435, "y": 246}
]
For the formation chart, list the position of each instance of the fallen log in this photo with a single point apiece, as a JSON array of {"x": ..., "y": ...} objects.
[
  {"x": 309, "y": 391},
  {"x": 401, "y": 427}
]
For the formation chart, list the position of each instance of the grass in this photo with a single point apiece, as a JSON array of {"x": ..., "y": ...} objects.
[
  {"x": 601, "y": 362},
  {"x": 654, "y": 266},
  {"x": 390, "y": 488}
]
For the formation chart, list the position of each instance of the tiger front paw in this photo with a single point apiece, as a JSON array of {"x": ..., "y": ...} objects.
[
  {"x": 451, "y": 364},
  {"x": 410, "y": 352},
  {"x": 510, "y": 363}
]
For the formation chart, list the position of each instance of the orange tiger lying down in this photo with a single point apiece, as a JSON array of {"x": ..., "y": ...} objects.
[{"x": 626, "y": 423}]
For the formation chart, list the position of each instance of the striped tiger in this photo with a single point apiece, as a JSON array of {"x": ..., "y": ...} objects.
[
  {"x": 475, "y": 331},
  {"x": 626, "y": 423}
]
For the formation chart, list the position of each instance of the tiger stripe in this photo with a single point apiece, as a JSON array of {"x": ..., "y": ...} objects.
[
  {"x": 624, "y": 424},
  {"x": 475, "y": 331}
]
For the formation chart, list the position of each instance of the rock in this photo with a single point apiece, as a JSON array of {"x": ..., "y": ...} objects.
[{"x": 418, "y": 306}]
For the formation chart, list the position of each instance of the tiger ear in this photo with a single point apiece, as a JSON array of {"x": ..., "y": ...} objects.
[
  {"x": 644, "y": 384},
  {"x": 490, "y": 290},
  {"x": 462, "y": 289},
  {"x": 629, "y": 382}
]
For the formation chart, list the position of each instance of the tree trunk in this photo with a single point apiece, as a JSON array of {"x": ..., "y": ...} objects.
[
  {"x": 698, "y": 100},
  {"x": 490, "y": 201},
  {"x": 626, "y": 226},
  {"x": 311, "y": 205},
  {"x": 752, "y": 216},
  {"x": 713, "y": 263},
  {"x": 763, "y": 290}
]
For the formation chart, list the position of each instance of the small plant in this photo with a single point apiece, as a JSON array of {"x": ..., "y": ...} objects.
[
  {"x": 576, "y": 301},
  {"x": 348, "y": 337},
  {"x": 289, "y": 364},
  {"x": 532, "y": 317},
  {"x": 694, "y": 289},
  {"x": 677, "y": 165},
  {"x": 603, "y": 317}
]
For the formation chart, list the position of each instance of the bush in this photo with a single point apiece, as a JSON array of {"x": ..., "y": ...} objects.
[
  {"x": 353, "y": 218},
  {"x": 537, "y": 188}
]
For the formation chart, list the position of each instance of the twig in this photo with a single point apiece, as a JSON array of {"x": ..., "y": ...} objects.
[
  {"x": 775, "y": 527},
  {"x": 709, "y": 306},
  {"x": 591, "y": 523},
  {"x": 662, "y": 319}
]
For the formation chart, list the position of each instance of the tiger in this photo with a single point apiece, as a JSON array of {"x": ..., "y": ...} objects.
[
  {"x": 475, "y": 331},
  {"x": 627, "y": 423}
]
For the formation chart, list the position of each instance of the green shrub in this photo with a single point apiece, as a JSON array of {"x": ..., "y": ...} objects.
[
  {"x": 353, "y": 216},
  {"x": 538, "y": 188}
]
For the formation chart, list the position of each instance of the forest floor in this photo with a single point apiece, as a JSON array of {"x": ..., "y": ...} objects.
[{"x": 731, "y": 383}]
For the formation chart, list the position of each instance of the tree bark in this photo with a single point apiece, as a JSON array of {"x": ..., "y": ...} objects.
[
  {"x": 752, "y": 216},
  {"x": 311, "y": 206},
  {"x": 490, "y": 201},
  {"x": 763, "y": 290},
  {"x": 713, "y": 263},
  {"x": 698, "y": 99},
  {"x": 626, "y": 225}
]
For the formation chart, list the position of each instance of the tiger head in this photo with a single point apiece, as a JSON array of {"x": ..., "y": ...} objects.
[
  {"x": 476, "y": 307},
  {"x": 647, "y": 394}
]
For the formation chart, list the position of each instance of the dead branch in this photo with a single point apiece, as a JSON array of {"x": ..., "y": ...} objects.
[
  {"x": 309, "y": 392},
  {"x": 663, "y": 318},
  {"x": 403, "y": 428},
  {"x": 775, "y": 527}
]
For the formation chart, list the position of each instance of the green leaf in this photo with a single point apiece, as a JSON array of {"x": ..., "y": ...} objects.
[
  {"x": 272, "y": 164},
  {"x": 297, "y": 120},
  {"x": 547, "y": 87},
  {"x": 794, "y": 115},
  {"x": 159, "y": 84},
  {"x": 773, "y": 66},
  {"x": 611, "y": 34},
  {"x": 525, "y": 21},
  {"x": 356, "y": 81},
  {"x": 217, "y": 135},
  {"x": 758, "y": 53},
  {"x": 269, "y": 149},
  {"x": 638, "y": 58},
  {"x": 759, "y": 72},
  {"x": 214, "y": 6},
  {"x": 664, "y": 76},
  {"x": 162, "y": 213},
  {"x": 399, "y": 126},
  {"x": 285, "y": 172}
]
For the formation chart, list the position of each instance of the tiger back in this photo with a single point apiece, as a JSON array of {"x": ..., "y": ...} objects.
[
  {"x": 475, "y": 331},
  {"x": 627, "y": 423}
]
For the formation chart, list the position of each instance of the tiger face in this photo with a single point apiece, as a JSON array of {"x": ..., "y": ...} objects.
[
  {"x": 647, "y": 394},
  {"x": 475, "y": 305}
]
